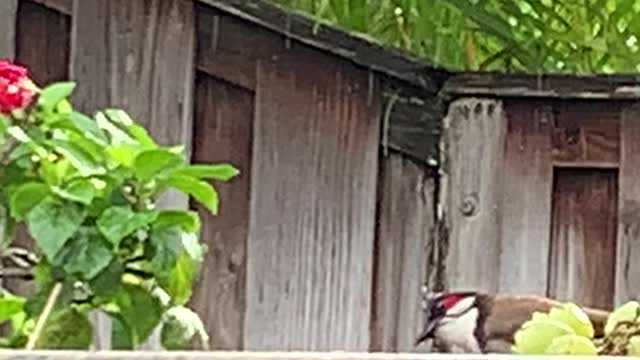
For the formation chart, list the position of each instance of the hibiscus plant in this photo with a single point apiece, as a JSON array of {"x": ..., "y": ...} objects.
[{"x": 84, "y": 188}]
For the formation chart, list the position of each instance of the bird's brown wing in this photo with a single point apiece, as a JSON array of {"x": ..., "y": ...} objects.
[{"x": 509, "y": 312}]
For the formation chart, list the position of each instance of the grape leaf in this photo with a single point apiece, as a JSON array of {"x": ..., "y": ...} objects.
[
  {"x": 51, "y": 223},
  {"x": 117, "y": 222}
]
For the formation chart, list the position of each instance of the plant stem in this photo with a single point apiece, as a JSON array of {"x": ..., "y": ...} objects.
[{"x": 42, "y": 319}]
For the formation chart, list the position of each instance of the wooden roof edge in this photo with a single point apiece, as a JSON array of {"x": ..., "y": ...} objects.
[
  {"x": 558, "y": 86},
  {"x": 358, "y": 48}
]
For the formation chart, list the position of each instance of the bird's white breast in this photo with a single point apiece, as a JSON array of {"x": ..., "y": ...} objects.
[{"x": 458, "y": 332}]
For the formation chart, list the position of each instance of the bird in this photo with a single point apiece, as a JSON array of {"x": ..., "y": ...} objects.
[{"x": 478, "y": 322}]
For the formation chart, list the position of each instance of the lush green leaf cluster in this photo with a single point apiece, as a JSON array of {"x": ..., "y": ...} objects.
[
  {"x": 515, "y": 35},
  {"x": 86, "y": 188},
  {"x": 567, "y": 330}
]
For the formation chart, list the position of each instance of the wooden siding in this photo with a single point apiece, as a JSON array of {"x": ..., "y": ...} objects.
[
  {"x": 406, "y": 215},
  {"x": 8, "y": 12},
  {"x": 223, "y": 133},
  {"x": 526, "y": 200},
  {"x": 583, "y": 237},
  {"x": 627, "y": 284},
  {"x": 314, "y": 170},
  {"x": 473, "y": 151}
]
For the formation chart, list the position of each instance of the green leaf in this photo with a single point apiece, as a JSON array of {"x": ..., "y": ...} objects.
[
  {"x": 188, "y": 220},
  {"x": 140, "y": 311},
  {"x": 87, "y": 254},
  {"x": 118, "y": 136},
  {"x": 19, "y": 134},
  {"x": 52, "y": 94},
  {"x": 167, "y": 245},
  {"x": 67, "y": 329},
  {"x": 88, "y": 127},
  {"x": 200, "y": 190},
  {"x": 179, "y": 326},
  {"x": 51, "y": 223},
  {"x": 141, "y": 134},
  {"x": 25, "y": 197},
  {"x": 123, "y": 154},
  {"x": 151, "y": 163},
  {"x": 121, "y": 335},
  {"x": 178, "y": 281},
  {"x": 221, "y": 172},
  {"x": 10, "y": 306},
  {"x": 117, "y": 222},
  {"x": 107, "y": 283},
  {"x": 78, "y": 157},
  {"x": 54, "y": 173},
  {"x": 81, "y": 190}
]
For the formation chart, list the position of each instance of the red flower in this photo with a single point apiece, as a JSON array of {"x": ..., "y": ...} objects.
[{"x": 16, "y": 89}]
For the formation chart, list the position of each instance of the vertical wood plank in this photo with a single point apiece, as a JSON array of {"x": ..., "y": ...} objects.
[
  {"x": 471, "y": 186},
  {"x": 42, "y": 45},
  {"x": 584, "y": 237},
  {"x": 139, "y": 56},
  {"x": 8, "y": 11},
  {"x": 223, "y": 132},
  {"x": 43, "y": 38},
  {"x": 628, "y": 246},
  {"x": 116, "y": 50},
  {"x": 405, "y": 221},
  {"x": 312, "y": 215},
  {"x": 526, "y": 202}
]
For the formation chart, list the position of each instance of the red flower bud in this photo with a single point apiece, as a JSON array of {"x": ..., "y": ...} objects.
[{"x": 16, "y": 89}]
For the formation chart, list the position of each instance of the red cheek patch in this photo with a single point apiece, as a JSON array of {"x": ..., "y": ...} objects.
[{"x": 450, "y": 301}]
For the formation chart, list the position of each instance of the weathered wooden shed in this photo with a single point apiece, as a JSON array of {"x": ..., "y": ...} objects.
[
  {"x": 313, "y": 249},
  {"x": 365, "y": 173}
]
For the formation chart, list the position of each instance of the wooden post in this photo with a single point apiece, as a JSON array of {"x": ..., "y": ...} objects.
[{"x": 471, "y": 192}]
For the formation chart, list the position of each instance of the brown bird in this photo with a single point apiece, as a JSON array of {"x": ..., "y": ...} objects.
[{"x": 475, "y": 322}]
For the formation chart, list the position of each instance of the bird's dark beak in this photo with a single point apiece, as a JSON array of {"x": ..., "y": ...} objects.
[{"x": 427, "y": 332}]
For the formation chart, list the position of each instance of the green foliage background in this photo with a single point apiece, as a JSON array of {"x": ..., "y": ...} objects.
[{"x": 567, "y": 36}]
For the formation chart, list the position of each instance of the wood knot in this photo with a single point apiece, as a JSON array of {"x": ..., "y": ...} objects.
[{"x": 469, "y": 205}]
